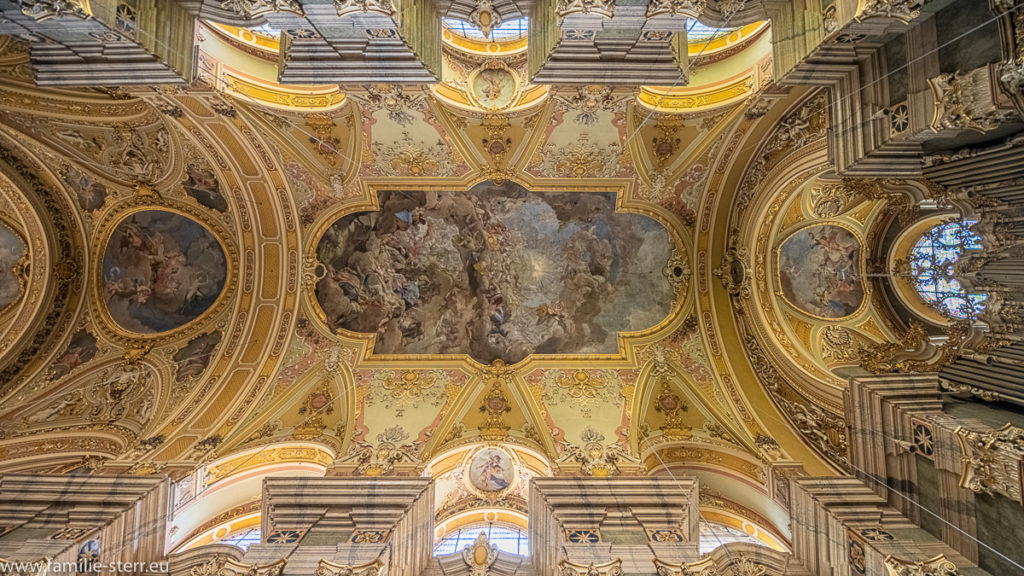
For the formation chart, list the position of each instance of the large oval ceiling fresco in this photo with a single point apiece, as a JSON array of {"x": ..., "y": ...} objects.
[
  {"x": 496, "y": 273},
  {"x": 819, "y": 271},
  {"x": 161, "y": 270}
]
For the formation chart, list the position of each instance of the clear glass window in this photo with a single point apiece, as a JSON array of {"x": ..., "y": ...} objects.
[
  {"x": 243, "y": 538},
  {"x": 931, "y": 268},
  {"x": 697, "y": 32},
  {"x": 714, "y": 535},
  {"x": 507, "y": 538},
  {"x": 507, "y": 30}
]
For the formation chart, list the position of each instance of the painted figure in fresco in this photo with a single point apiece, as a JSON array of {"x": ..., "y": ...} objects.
[
  {"x": 81, "y": 349},
  {"x": 492, "y": 474},
  {"x": 194, "y": 357},
  {"x": 819, "y": 271},
  {"x": 495, "y": 273},
  {"x": 91, "y": 194},
  {"x": 161, "y": 270},
  {"x": 202, "y": 185}
]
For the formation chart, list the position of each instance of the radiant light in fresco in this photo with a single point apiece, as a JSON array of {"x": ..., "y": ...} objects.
[
  {"x": 508, "y": 539},
  {"x": 507, "y": 30},
  {"x": 931, "y": 263}
]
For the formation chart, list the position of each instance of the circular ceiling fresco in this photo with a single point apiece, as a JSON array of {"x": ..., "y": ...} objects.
[
  {"x": 497, "y": 273},
  {"x": 161, "y": 270}
]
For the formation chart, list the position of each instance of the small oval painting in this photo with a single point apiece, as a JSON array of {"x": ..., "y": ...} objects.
[
  {"x": 819, "y": 271},
  {"x": 12, "y": 254},
  {"x": 494, "y": 88},
  {"x": 161, "y": 270},
  {"x": 491, "y": 470}
]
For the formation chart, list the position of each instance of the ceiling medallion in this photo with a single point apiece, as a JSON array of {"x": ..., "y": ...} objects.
[
  {"x": 491, "y": 472},
  {"x": 485, "y": 17},
  {"x": 494, "y": 86}
]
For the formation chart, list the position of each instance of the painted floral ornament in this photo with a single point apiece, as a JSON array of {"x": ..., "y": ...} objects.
[{"x": 485, "y": 18}]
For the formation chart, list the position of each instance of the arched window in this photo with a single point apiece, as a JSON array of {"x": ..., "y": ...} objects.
[
  {"x": 267, "y": 31},
  {"x": 243, "y": 538},
  {"x": 697, "y": 32},
  {"x": 713, "y": 535},
  {"x": 506, "y": 537},
  {"x": 504, "y": 32},
  {"x": 931, "y": 268}
]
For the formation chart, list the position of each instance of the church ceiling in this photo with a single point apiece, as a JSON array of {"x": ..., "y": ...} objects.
[{"x": 391, "y": 276}]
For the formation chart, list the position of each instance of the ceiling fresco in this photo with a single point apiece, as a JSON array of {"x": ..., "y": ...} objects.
[
  {"x": 496, "y": 273},
  {"x": 161, "y": 270},
  {"x": 530, "y": 280},
  {"x": 13, "y": 252},
  {"x": 820, "y": 271}
]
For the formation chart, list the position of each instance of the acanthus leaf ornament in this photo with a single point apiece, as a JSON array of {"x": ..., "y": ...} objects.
[
  {"x": 688, "y": 8},
  {"x": 905, "y": 10},
  {"x": 346, "y": 7},
  {"x": 937, "y": 566},
  {"x": 604, "y": 8},
  {"x": 730, "y": 8},
  {"x": 992, "y": 460},
  {"x": 963, "y": 102},
  {"x": 45, "y": 9},
  {"x": 589, "y": 102},
  {"x": 254, "y": 8}
]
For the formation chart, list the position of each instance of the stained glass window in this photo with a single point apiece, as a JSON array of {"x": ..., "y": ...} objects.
[
  {"x": 507, "y": 30},
  {"x": 507, "y": 538},
  {"x": 931, "y": 266},
  {"x": 243, "y": 538}
]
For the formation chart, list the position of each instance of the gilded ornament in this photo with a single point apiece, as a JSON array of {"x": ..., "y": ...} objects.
[
  {"x": 962, "y": 103},
  {"x": 588, "y": 103},
  {"x": 45, "y": 9},
  {"x": 347, "y": 7},
  {"x": 253, "y": 8},
  {"x": 992, "y": 460},
  {"x": 905, "y": 10},
  {"x": 392, "y": 98},
  {"x": 604, "y": 8},
  {"x": 688, "y": 8},
  {"x": 937, "y": 566}
]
